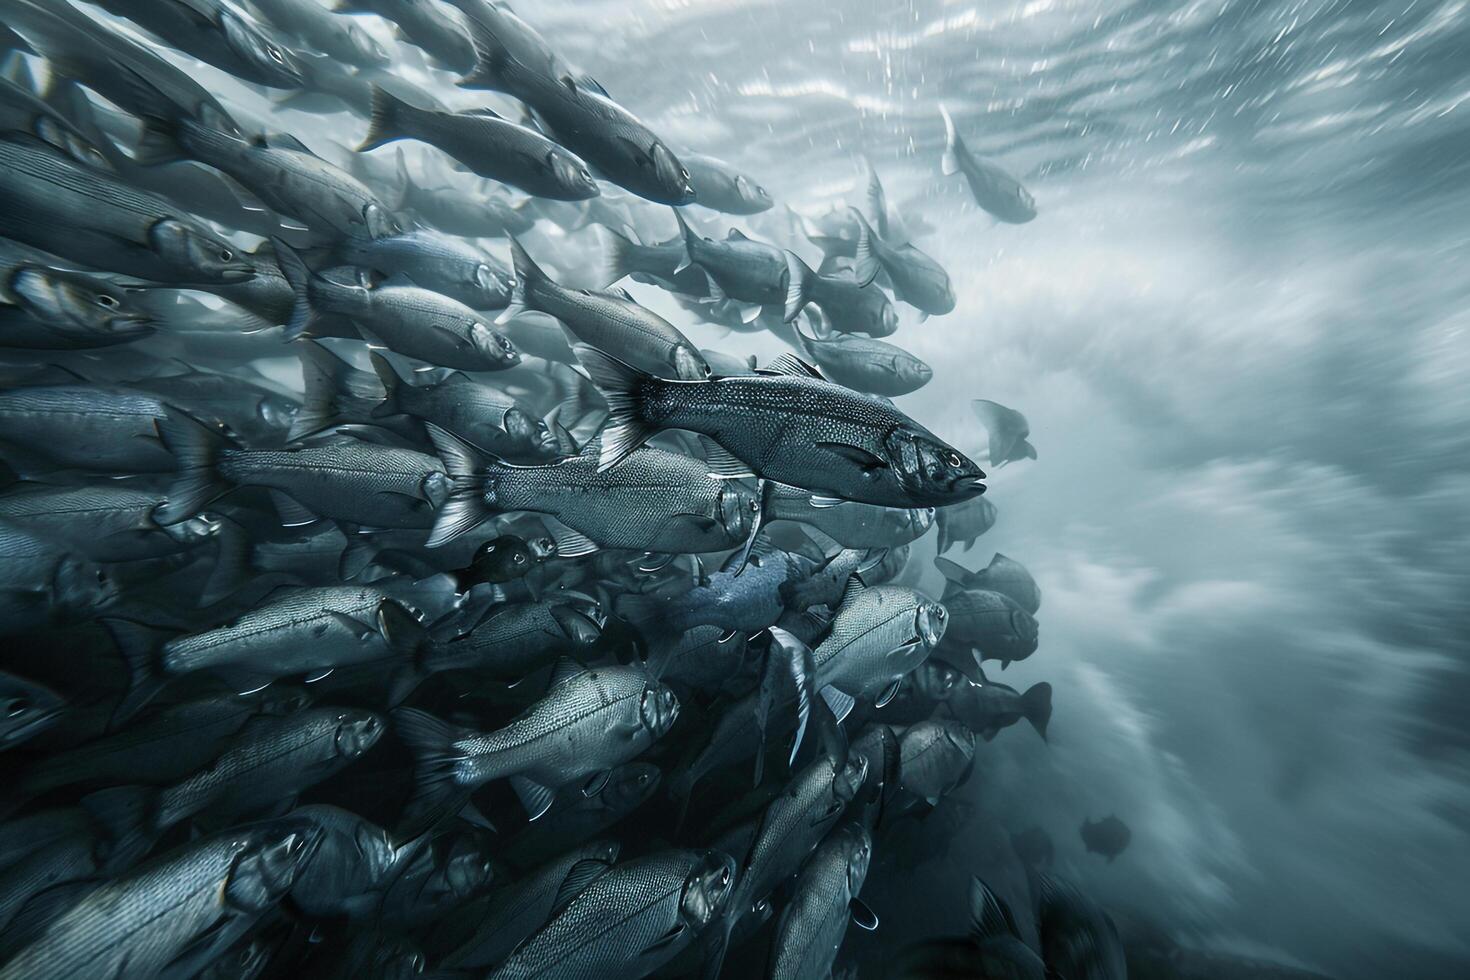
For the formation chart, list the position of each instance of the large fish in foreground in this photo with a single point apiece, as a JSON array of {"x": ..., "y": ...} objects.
[{"x": 790, "y": 425}]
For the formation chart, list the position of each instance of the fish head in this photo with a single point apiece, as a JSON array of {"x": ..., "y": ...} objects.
[
  {"x": 672, "y": 176},
  {"x": 847, "y": 782},
  {"x": 930, "y": 621},
  {"x": 436, "y": 487},
  {"x": 581, "y": 620},
  {"x": 527, "y": 430},
  {"x": 79, "y": 302},
  {"x": 267, "y": 862},
  {"x": 196, "y": 530},
  {"x": 378, "y": 221},
  {"x": 466, "y": 870},
  {"x": 502, "y": 559},
  {"x": 913, "y": 372},
  {"x": 494, "y": 346},
  {"x": 357, "y": 731},
  {"x": 628, "y": 786},
  {"x": 931, "y": 471},
  {"x": 25, "y": 706},
  {"x": 1024, "y": 625},
  {"x": 752, "y": 193},
  {"x": 363, "y": 45},
  {"x": 659, "y": 709},
  {"x": 571, "y": 174},
  {"x": 936, "y": 681},
  {"x": 206, "y": 258},
  {"x": 689, "y": 364},
  {"x": 707, "y": 889},
  {"x": 271, "y": 60},
  {"x": 81, "y": 587},
  {"x": 276, "y": 412},
  {"x": 489, "y": 282},
  {"x": 738, "y": 505}
]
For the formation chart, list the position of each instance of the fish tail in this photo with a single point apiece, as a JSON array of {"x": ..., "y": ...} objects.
[
  {"x": 299, "y": 275},
  {"x": 490, "y": 57},
  {"x": 623, "y": 386},
  {"x": 949, "y": 164},
  {"x": 1036, "y": 707},
  {"x": 138, "y": 644},
  {"x": 196, "y": 448},
  {"x": 527, "y": 273},
  {"x": 392, "y": 385},
  {"x": 469, "y": 505},
  {"x": 798, "y": 284},
  {"x": 386, "y": 122},
  {"x": 686, "y": 235},
  {"x": 865, "y": 264},
  {"x": 128, "y": 817},
  {"x": 437, "y": 794},
  {"x": 617, "y": 252},
  {"x": 321, "y": 374}
]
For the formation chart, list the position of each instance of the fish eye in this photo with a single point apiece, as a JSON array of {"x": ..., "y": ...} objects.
[
  {"x": 101, "y": 577},
  {"x": 106, "y": 301},
  {"x": 17, "y": 707},
  {"x": 225, "y": 255},
  {"x": 684, "y": 173},
  {"x": 520, "y": 559},
  {"x": 275, "y": 54},
  {"x": 585, "y": 174},
  {"x": 725, "y": 876},
  {"x": 954, "y": 459}
]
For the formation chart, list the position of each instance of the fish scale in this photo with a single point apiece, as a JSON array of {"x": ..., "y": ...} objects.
[
  {"x": 616, "y": 917},
  {"x": 813, "y": 924},
  {"x": 299, "y": 608}
]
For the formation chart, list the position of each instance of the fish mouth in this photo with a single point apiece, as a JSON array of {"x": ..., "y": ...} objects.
[{"x": 977, "y": 484}]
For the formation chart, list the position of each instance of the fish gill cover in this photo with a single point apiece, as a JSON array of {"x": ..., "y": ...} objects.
[{"x": 554, "y": 491}]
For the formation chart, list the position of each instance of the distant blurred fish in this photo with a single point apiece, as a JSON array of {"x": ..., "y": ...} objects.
[
  {"x": 1008, "y": 430},
  {"x": 1108, "y": 836},
  {"x": 994, "y": 190}
]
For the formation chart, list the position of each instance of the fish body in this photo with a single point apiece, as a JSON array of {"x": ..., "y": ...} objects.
[
  {"x": 106, "y": 522},
  {"x": 333, "y": 34},
  {"x": 720, "y": 187},
  {"x": 852, "y": 307},
  {"x": 993, "y": 189},
  {"x": 748, "y": 271},
  {"x": 990, "y": 624},
  {"x": 513, "y": 640},
  {"x": 917, "y": 279},
  {"x": 936, "y": 758},
  {"x": 850, "y": 524},
  {"x": 431, "y": 26},
  {"x": 965, "y": 522},
  {"x": 438, "y": 262},
  {"x": 84, "y": 427},
  {"x": 863, "y": 364},
  {"x": 48, "y": 309},
  {"x": 1108, "y": 836},
  {"x": 1078, "y": 938},
  {"x": 812, "y": 926},
  {"x": 217, "y": 33},
  {"x": 1008, "y": 431}
]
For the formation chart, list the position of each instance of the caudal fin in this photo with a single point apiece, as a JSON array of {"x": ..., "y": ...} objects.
[
  {"x": 386, "y": 122},
  {"x": 1036, "y": 707},
  {"x": 799, "y": 278},
  {"x": 138, "y": 644},
  {"x": 617, "y": 250},
  {"x": 437, "y": 793},
  {"x": 128, "y": 817},
  {"x": 334, "y": 391},
  {"x": 624, "y": 387},
  {"x": 865, "y": 265},
  {"x": 527, "y": 274},
  {"x": 298, "y": 276},
  {"x": 469, "y": 505},
  {"x": 196, "y": 448},
  {"x": 949, "y": 164}
]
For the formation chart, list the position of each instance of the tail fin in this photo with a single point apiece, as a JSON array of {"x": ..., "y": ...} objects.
[
  {"x": 949, "y": 164},
  {"x": 385, "y": 124},
  {"x": 686, "y": 235},
  {"x": 294, "y": 268},
  {"x": 392, "y": 383},
  {"x": 989, "y": 916},
  {"x": 138, "y": 644},
  {"x": 865, "y": 264},
  {"x": 335, "y": 391},
  {"x": 617, "y": 249},
  {"x": 526, "y": 272},
  {"x": 877, "y": 201},
  {"x": 799, "y": 277},
  {"x": 128, "y": 819},
  {"x": 196, "y": 448},
  {"x": 1036, "y": 707},
  {"x": 623, "y": 386},
  {"x": 436, "y": 792},
  {"x": 467, "y": 506},
  {"x": 803, "y": 343},
  {"x": 490, "y": 53}
]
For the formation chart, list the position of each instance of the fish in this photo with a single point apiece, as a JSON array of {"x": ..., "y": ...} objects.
[
  {"x": 84, "y": 427},
  {"x": 862, "y": 364},
  {"x": 23, "y": 111},
  {"x": 748, "y": 271},
  {"x": 1004, "y": 575},
  {"x": 137, "y": 923},
  {"x": 879, "y": 635},
  {"x": 444, "y": 264},
  {"x": 658, "y": 264},
  {"x": 431, "y": 27},
  {"x": 720, "y": 187},
  {"x": 338, "y": 37},
  {"x": 852, "y": 307},
  {"x": 570, "y": 108},
  {"x": 256, "y": 413},
  {"x": 612, "y": 320},
  {"x": 990, "y": 625},
  {"x": 42, "y": 582},
  {"x": 988, "y": 706},
  {"x": 86, "y": 215},
  {"x": 488, "y": 144},
  {"x": 342, "y": 478},
  {"x": 504, "y": 559},
  {"x": 105, "y": 522},
  {"x": 589, "y": 722},
  {"x": 281, "y": 173},
  {"x": 266, "y": 764},
  {"x": 811, "y": 928},
  {"x": 1008, "y": 430},
  {"x": 652, "y": 501},
  {"x": 937, "y": 757},
  {"x": 916, "y": 278},
  {"x": 1108, "y": 836},
  {"x": 964, "y": 523},
  {"x": 27, "y": 708},
  {"x": 789, "y": 425},
  {"x": 461, "y": 210},
  {"x": 400, "y": 316},
  {"x": 50, "y": 309},
  {"x": 576, "y": 817},
  {"x": 993, "y": 949},
  {"x": 996, "y": 191},
  {"x": 510, "y": 640},
  {"x": 630, "y": 919},
  {"x": 1078, "y": 938},
  {"x": 217, "y": 33}
]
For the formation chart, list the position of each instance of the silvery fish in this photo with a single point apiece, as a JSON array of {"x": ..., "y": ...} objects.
[
  {"x": 812, "y": 926},
  {"x": 216, "y": 32},
  {"x": 338, "y": 36},
  {"x": 432, "y": 27},
  {"x": 936, "y": 758},
  {"x": 720, "y": 187},
  {"x": 49, "y": 309},
  {"x": 747, "y": 271},
  {"x": 993, "y": 189}
]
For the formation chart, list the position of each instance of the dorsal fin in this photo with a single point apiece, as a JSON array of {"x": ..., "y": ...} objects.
[
  {"x": 790, "y": 364},
  {"x": 736, "y": 235}
]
